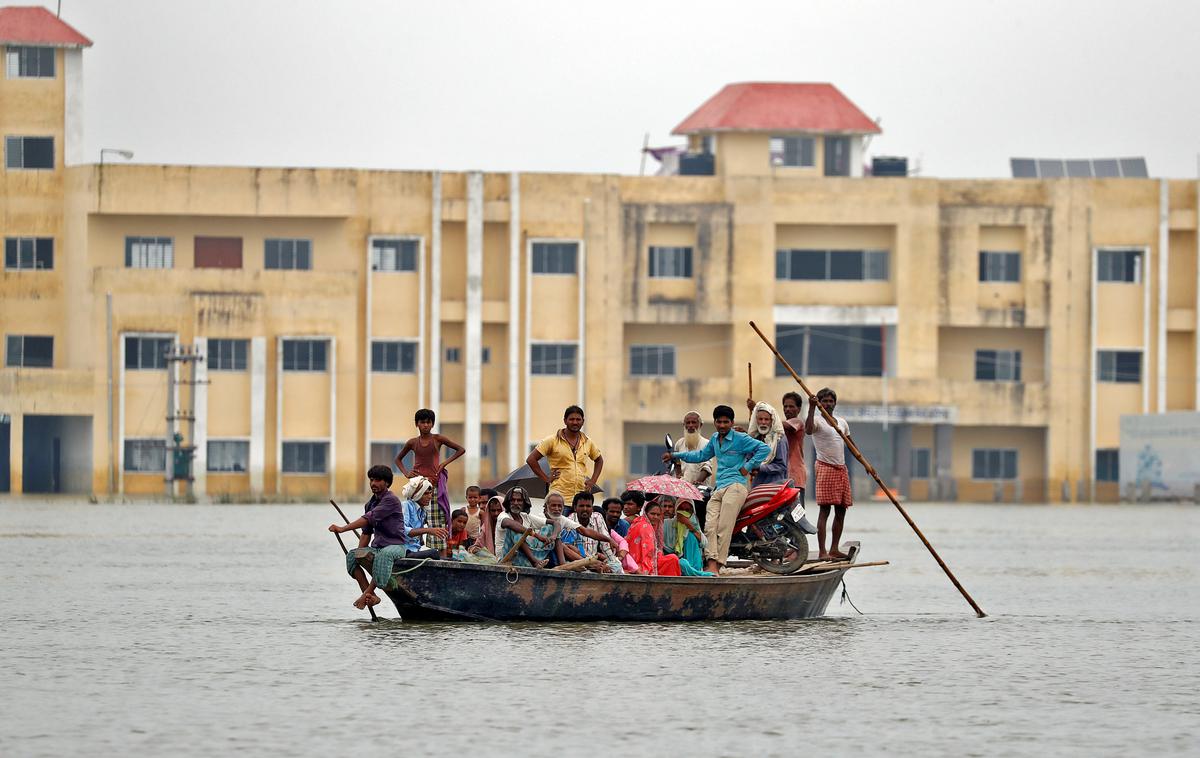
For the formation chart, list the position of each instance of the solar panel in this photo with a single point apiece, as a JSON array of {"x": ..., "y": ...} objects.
[
  {"x": 1051, "y": 168},
  {"x": 1106, "y": 168},
  {"x": 1134, "y": 168},
  {"x": 1024, "y": 168},
  {"x": 1079, "y": 168}
]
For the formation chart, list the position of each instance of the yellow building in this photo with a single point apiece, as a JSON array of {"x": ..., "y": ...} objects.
[{"x": 984, "y": 335}]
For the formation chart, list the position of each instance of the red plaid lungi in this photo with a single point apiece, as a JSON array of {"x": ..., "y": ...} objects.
[{"x": 833, "y": 485}]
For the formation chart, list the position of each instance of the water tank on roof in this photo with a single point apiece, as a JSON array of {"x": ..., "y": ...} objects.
[
  {"x": 697, "y": 164},
  {"x": 884, "y": 165}
]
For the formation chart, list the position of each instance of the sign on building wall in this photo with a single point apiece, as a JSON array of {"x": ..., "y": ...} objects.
[{"x": 1161, "y": 452}]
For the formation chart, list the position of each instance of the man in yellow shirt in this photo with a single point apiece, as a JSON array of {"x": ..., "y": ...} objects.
[{"x": 568, "y": 450}]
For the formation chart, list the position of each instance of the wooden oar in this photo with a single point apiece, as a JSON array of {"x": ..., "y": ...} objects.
[
  {"x": 750, "y": 380},
  {"x": 346, "y": 552},
  {"x": 870, "y": 470},
  {"x": 513, "y": 552},
  {"x": 582, "y": 563}
]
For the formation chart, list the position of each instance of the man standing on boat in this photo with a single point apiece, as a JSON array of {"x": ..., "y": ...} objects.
[
  {"x": 692, "y": 439},
  {"x": 568, "y": 450},
  {"x": 736, "y": 455}
]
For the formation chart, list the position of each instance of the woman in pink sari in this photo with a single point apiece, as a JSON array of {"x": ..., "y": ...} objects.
[{"x": 645, "y": 544}]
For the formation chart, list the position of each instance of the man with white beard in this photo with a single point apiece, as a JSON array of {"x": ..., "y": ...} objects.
[{"x": 693, "y": 473}]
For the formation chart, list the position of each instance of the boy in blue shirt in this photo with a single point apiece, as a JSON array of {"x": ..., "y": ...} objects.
[{"x": 736, "y": 455}]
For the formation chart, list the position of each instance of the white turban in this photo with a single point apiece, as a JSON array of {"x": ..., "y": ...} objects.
[
  {"x": 773, "y": 434},
  {"x": 416, "y": 488}
]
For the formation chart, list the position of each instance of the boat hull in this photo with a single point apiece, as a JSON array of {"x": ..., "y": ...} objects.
[{"x": 440, "y": 590}]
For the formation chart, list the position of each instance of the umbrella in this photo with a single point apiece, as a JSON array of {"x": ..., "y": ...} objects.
[
  {"x": 529, "y": 481},
  {"x": 665, "y": 484}
]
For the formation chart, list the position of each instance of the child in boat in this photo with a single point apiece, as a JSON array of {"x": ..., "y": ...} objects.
[
  {"x": 462, "y": 546},
  {"x": 426, "y": 449},
  {"x": 833, "y": 478},
  {"x": 474, "y": 510},
  {"x": 386, "y": 522}
]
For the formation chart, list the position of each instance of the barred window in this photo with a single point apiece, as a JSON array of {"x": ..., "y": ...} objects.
[
  {"x": 555, "y": 257},
  {"x": 1119, "y": 266},
  {"x": 149, "y": 252},
  {"x": 26, "y": 62},
  {"x": 305, "y": 457},
  {"x": 29, "y": 152},
  {"x": 553, "y": 359},
  {"x": 1108, "y": 465},
  {"x": 1123, "y": 366},
  {"x": 147, "y": 352},
  {"x": 146, "y": 455},
  {"x": 829, "y": 265},
  {"x": 399, "y": 254},
  {"x": 384, "y": 453},
  {"x": 227, "y": 354},
  {"x": 25, "y": 351},
  {"x": 288, "y": 254},
  {"x": 21, "y": 253},
  {"x": 670, "y": 262},
  {"x": 394, "y": 357},
  {"x": 652, "y": 360},
  {"x": 987, "y": 463},
  {"x": 305, "y": 355},
  {"x": 228, "y": 455},
  {"x": 999, "y": 266},
  {"x": 998, "y": 365},
  {"x": 793, "y": 151}
]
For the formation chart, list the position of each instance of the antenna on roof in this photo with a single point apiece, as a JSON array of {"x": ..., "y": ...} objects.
[
  {"x": 645, "y": 149},
  {"x": 59, "y": 11}
]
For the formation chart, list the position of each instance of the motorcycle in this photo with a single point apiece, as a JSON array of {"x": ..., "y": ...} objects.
[{"x": 771, "y": 529}]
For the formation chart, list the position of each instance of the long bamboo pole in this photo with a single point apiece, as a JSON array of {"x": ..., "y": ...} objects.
[
  {"x": 512, "y": 553},
  {"x": 870, "y": 470},
  {"x": 346, "y": 552}
]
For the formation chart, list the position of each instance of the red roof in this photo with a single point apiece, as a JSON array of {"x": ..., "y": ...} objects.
[
  {"x": 32, "y": 25},
  {"x": 778, "y": 107}
]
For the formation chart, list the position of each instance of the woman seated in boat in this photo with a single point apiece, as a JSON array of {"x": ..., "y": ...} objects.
[
  {"x": 489, "y": 520},
  {"x": 685, "y": 540},
  {"x": 645, "y": 544}
]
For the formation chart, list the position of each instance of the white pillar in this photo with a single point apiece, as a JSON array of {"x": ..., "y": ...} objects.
[
  {"x": 435, "y": 300},
  {"x": 332, "y": 462},
  {"x": 474, "y": 325},
  {"x": 120, "y": 414},
  {"x": 1164, "y": 258},
  {"x": 200, "y": 428},
  {"x": 258, "y": 413},
  {"x": 279, "y": 415},
  {"x": 514, "y": 318},
  {"x": 73, "y": 153}
]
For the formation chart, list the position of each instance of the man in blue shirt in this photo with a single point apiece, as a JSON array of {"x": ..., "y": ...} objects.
[{"x": 736, "y": 455}]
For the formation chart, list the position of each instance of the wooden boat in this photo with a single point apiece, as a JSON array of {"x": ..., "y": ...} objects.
[{"x": 450, "y": 590}]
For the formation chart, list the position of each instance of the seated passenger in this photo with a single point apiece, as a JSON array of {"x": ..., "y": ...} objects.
[
  {"x": 611, "y": 511},
  {"x": 462, "y": 546},
  {"x": 617, "y": 528},
  {"x": 590, "y": 547},
  {"x": 645, "y": 544},
  {"x": 686, "y": 541},
  {"x": 632, "y": 504},
  {"x": 668, "y": 522},
  {"x": 489, "y": 520}
]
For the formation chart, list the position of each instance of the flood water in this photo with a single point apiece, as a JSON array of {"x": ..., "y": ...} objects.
[{"x": 203, "y": 630}]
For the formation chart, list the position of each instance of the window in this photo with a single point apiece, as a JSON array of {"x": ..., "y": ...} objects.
[
  {"x": 146, "y": 352},
  {"x": 218, "y": 252},
  {"x": 485, "y": 355},
  {"x": 645, "y": 459},
  {"x": 997, "y": 365},
  {"x": 394, "y": 357},
  {"x": 652, "y": 360},
  {"x": 793, "y": 151},
  {"x": 146, "y": 455},
  {"x": 29, "y": 152},
  {"x": 1000, "y": 266},
  {"x": 1119, "y": 266},
  {"x": 28, "y": 253},
  {"x": 555, "y": 257},
  {"x": 305, "y": 457},
  {"x": 825, "y": 265},
  {"x": 29, "y": 62},
  {"x": 921, "y": 462},
  {"x": 227, "y": 355},
  {"x": 1108, "y": 465},
  {"x": 552, "y": 359},
  {"x": 453, "y": 355},
  {"x": 24, "y": 351},
  {"x": 837, "y": 156},
  {"x": 394, "y": 254},
  {"x": 384, "y": 453},
  {"x": 993, "y": 464},
  {"x": 671, "y": 262},
  {"x": 305, "y": 355},
  {"x": 832, "y": 350},
  {"x": 1123, "y": 366},
  {"x": 485, "y": 451},
  {"x": 228, "y": 455},
  {"x": 149, "y": 252},
  {"x": 286, "y": 254}
]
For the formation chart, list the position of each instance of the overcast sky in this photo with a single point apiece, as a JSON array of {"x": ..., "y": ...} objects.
[{"x": 960, "y": 85}]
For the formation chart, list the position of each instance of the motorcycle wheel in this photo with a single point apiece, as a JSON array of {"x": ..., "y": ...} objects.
[{"x": 797, "y": 541}]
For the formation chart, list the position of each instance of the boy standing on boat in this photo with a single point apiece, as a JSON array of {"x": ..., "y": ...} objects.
[
  {"x": 833, "y": 478},
  {"x": 736, "y": 455},
  {"x": 426, "y": 448},
  {"x": 568, "y": 450}
]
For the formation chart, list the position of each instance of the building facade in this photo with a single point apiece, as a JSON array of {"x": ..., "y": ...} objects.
[{"x": 984, "y": 336}]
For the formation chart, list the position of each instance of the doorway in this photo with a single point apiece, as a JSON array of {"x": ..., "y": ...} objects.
[{"x": 58, "y": 454}]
